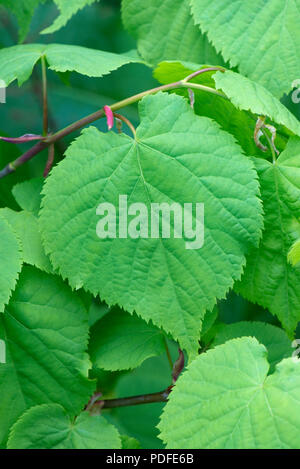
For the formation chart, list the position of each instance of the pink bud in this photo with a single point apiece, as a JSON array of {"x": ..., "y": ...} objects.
[{"x": 109, "y": 116}]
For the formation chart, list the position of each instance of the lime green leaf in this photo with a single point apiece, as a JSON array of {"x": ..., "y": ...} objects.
[
  {"x": 67, "y": 10},
  {"x": 226, "y": 400},
  {"x": 269, "y": 279},
  {"x": 46, "y": 332},
  {"x": 154, "y": 276},
  {"x": 17, "y": 62},
  {"x": 10, "y": 261},
  {"x": 25, "y": 225},
  {"x": 130, "y": 443},
  {"x": 28, "y": 194},
  {"x": 262, "y": 38},
  {"x": 294, "y": 253},
  {"x": 50, "y": 427},
  {"x": 273, "y": 338},
  {"x": 165, "y": 30},
  {"x": 246, "y": 94},
  {"x": 240, "y": 123},
  {"x": 120, "y": 341}
]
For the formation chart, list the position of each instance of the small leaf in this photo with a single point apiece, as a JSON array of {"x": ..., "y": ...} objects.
[
  {"x": 273, "y": 338},
  {"x": 25, "y": 225},
  {"x": 28, "y": 194},
  {"x": 67, "y": 9},
  {"x": 120, "y": 341},
  {"x": 246, "y": 94},
  {"x": 50, "y": 427}
]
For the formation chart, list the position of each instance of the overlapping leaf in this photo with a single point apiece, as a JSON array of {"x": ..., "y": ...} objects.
[
  {"x": 67, "y": 9},
  {"x": 25, "y": 225},
  {"x": 17, "y": 62},
  {"x": 46, "y": 331},
  {"x": 269, "y": 279},
  {"x": 23, "y": 10},
  {"x": 261, "y": 37},
  {"x": 273, "y": 338},
  {"x": 246, "y": 94},
  {"x": 177, "y": 157},
  {"x": 231, "y": 116},
  {"x": 226, "y": 400},
  {"x": 165, "y": 30},
  {"x": 120, "y": 341},
  {"x": 50, "y": 427},
  {"x": 28, "y": 194},
  {"x": 10, "y": 261}
]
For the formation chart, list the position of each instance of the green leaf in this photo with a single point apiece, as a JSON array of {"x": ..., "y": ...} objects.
[
  {"x": 46, "y": 332},
  {"x": 262, "y": 38},
  {"x": 23, "y": 10},
  {"x": 273, "y": 338},
  {"x": 197, "y": 162},
  {"x": 25, "y": 225},
  {"x": 17, "y": 62},
  {"x": 226, "y": 400},
  {"x": 246, "y": 94},
  {"x": 120, "y": 341},
  {"x": 164, "y": 30},
  {"x": 50, "y": 427},
  {"x": 11, "y": 261},
  {"x": 28, "y": 194},
  {"x": 67, "y": 10},
  {"x": 294, "y": 253},
  {"x": 240, "y": 123},
  {"x": 269, "y": 279}
]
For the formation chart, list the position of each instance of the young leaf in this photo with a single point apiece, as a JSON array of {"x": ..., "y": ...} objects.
[
  {"x": 246, "y": 94},
  {"x": 197, "y": 162},
  {"x": 232, "y": 118},
  {"x": 28, "y": 194},
  {"x": 25, "y": 225},
  {"x": 165, "y": 30},
  {"x": 67, "y": 9},
  {"x": 46, "y": 332},
  {"x": 17, "y": 62},
  {"x": 273, "y": 338},
  {"x": 10, "y": 261},
  {"x": 226, "y": 400},
  {"x": 260, "y": 37},
  {"x": 269, "y": 279},
  {"x": 48, "y": 426},
  {"x": 120, "y": 341}
]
